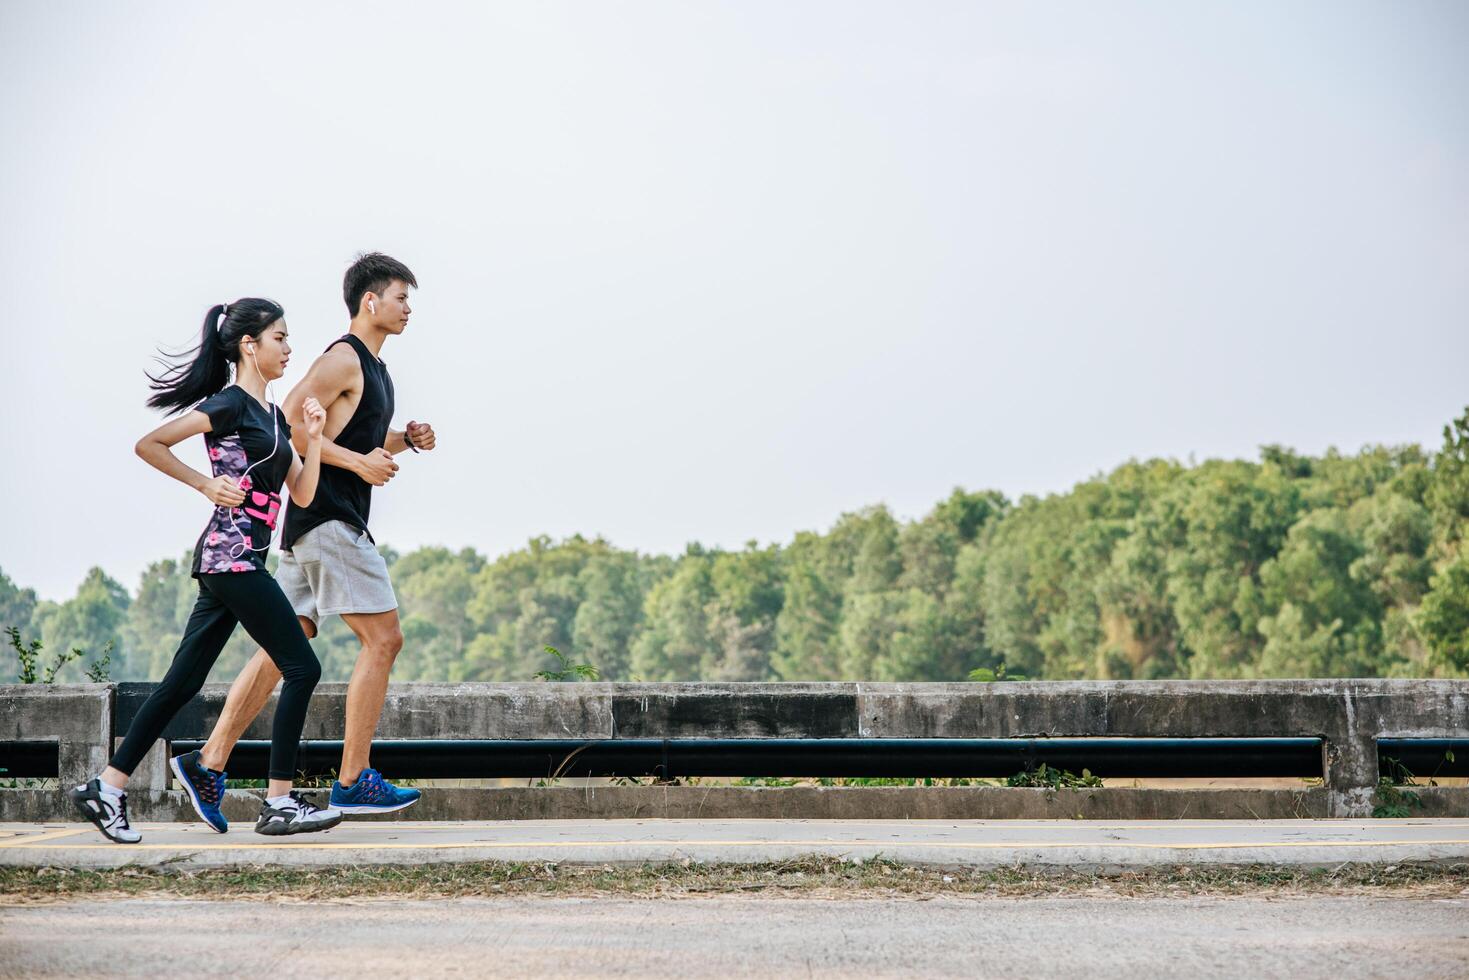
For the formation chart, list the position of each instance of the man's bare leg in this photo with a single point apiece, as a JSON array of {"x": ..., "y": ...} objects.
[
  {"x": 381, "y": 639},
  {"x": 248, "y": 695}
]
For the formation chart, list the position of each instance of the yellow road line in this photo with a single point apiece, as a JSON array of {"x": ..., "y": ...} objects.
[
  {"x": 959, "y": 845},
  {"x": 984, "y": 826},
  {"x": 27, "y": 839},
  {"x": 1284, "y": 823}
]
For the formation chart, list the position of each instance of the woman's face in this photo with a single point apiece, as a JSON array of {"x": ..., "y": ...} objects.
[{"x": 270, "y": 352}]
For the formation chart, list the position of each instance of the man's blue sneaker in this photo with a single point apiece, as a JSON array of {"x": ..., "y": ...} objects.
[
  {"x": 371, "y": 794},
  {"x": 203, "y": 786}
]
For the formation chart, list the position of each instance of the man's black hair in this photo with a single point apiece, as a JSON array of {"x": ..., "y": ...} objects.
[{"x": 372, "y": 273}]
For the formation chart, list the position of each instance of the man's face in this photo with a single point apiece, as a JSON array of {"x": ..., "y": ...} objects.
[{"x": 392, "y": 308}]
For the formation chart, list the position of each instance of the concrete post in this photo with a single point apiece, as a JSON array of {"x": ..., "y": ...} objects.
[
  {"x": 77, "y": 716},
  {"x": 1349, "y": 762},
  {"x": 152, "y": 774}
]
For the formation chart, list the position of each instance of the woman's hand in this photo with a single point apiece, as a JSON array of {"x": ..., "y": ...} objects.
[
  {"x": 223, "y": 491},
  {"x": 314, "y": 416}
]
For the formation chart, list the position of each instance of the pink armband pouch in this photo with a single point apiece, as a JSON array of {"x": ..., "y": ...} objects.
[{"x": 263, "y": 506}]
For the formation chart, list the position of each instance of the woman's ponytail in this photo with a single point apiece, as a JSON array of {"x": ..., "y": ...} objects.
[{"x": 206, "y": 368}]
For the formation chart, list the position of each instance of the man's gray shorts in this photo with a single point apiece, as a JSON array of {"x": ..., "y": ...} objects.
[{"x": 334, "y": 569}]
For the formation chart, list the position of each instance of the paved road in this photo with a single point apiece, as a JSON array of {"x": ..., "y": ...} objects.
[
  {"x": 975, "y": 843},
  {"x": 1296, "y": 937}
]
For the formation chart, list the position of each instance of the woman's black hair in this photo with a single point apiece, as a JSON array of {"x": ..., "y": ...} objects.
[{"x": 206, "y": 369}]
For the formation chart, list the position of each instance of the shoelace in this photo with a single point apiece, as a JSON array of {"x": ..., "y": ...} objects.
[
  {"x": 377, "y": 787},
  {"x": 306, "y": 807},
  {"x": 210, "y": 787},
  {"x": 122, "y": 812}
]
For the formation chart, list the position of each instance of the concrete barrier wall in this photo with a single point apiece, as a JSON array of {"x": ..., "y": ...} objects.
[
  {"x": 1348, "y": 715},
  {"x": 78, "y": 717}
]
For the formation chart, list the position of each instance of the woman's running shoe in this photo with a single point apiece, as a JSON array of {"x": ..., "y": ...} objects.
[
  {"x": 297, "y": 815},
  {"x": 372, "y": 794},
  {"x": 107, "y": 812},
  {"x": 203, "y": 786}
]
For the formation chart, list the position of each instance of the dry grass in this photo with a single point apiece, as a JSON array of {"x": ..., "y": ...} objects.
[{"x": 808, "y": 877}]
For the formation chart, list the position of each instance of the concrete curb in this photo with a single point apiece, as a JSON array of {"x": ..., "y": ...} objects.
[{"x": 793, "y": 803}]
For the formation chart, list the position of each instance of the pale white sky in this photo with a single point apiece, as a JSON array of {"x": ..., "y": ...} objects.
[{"x": 723, "y": 271}]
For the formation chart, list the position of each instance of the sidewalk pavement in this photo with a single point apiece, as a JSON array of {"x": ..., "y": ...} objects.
[{"x": 1077, "y": 844}]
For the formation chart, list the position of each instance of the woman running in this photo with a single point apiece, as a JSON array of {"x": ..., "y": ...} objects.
[{"x": 250, "y": 453}]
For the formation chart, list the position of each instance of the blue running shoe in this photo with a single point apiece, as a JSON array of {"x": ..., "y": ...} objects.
[
  {"x": 371, "y": 794},
  {"x": 204, "y": 787}
]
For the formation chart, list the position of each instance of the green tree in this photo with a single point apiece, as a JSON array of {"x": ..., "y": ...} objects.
[
  {"x": 1328, "y": 621},
  {"x": 747, "y": 596},
  {"x": 435, "y": 586},
  {"x": 156, "y": 619},
  {"x": 806, "y": 628},
  {"x": 1443, "y": 618},
  {"x": 90, "y": 620},
  {"x": 1448, "y": 492},
  {"x": 610, "y": 613},
  {"x": 17, "y": 605},
  {"x": 1228, "y": 519},
  {"x": 676, "y": 641}
]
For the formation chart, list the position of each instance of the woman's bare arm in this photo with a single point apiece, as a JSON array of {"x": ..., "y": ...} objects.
[{"x": 156, "y": 449}]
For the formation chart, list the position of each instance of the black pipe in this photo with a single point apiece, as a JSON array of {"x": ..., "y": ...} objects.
[
  {"x": 1423, "y": 758},
  {"x": 29, "y": 760},
  {"x": 846, "y": 757}
]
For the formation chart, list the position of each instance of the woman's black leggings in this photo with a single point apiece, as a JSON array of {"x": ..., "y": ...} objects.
[{"x": 254, "y": 600}]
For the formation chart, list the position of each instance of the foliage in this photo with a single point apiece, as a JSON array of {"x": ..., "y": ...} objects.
[
  {"x": 1391, "y": 801},
  {"x": 1289, "y": 565},
  {"x": 97, "y": 671},
  {"x": 568, "y": 670},
  {"x": 1048, "y": 778},
  {"x": 28, "y": 655},
  {"x": 1001, "y": 673}
]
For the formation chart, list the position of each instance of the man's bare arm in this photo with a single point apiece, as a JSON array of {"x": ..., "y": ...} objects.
[
  {"x": 395, "y": 442},
  {"x": 330, "y": 377},
  {"x": 423, "y": 438}
]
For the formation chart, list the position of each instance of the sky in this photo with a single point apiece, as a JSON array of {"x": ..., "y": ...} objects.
[{"x": 720, "y": 272}]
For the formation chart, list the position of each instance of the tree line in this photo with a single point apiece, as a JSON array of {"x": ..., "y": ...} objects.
[{"x": 1286, "y": 566}]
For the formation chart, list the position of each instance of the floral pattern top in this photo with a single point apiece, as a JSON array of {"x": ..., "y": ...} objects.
[{"x": 249, "y": 445}]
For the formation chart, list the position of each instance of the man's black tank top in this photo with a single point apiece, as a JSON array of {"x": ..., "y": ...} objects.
[{"x": 342, "y": 495}]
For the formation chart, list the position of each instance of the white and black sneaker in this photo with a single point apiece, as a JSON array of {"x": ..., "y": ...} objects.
[
  {"x": 295, "y": 815},
  {"x": 108, "y": 812}
]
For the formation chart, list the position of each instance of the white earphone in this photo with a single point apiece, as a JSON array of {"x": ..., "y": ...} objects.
[
  {"x": 372, "y": 307},
  {"x": 239, "y": 549}
]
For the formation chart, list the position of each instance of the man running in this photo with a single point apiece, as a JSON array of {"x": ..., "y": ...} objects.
[{"x": 330, "y": 564}]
